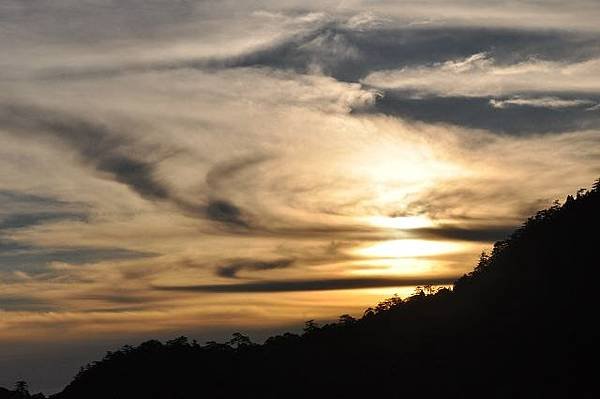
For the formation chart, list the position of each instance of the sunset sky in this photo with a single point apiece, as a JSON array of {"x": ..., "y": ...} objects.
[{"x": 203, "y": 167}]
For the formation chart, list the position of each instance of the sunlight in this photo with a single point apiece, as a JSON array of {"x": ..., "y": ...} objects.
[
  {"x": 408, "y": 248},
  {"x": 407, "y": 266}
]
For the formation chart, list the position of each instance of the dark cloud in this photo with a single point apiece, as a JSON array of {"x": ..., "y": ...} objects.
[
  {"x": 311, "y": 285},
  {"x": 231, "y": 270},
  {"x": 477, "y": 112},
  {"x": 477, "y": 234},
  {"x": 97, "y": 144},
  {"x": 30, "y": 258},
  {"x": 391, "y": 48},
  {"x": 19, "y": 209},
  {"x": 137, "y": 175},
  {"x": 118, "y": 309},
  {"x": 20, "y": 220},
  {"x": 118, "y": 298},
  {"x": 226, "y": 212},
  {"x": 8, "y": 246},
  {"x": 350, "y": 54},
  {"x": 12, "y": 197},
  {"x": 18, "y": 303}
]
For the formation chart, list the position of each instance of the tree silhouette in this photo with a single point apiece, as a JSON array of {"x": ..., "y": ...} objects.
[
  {"x": 22, "y": 388},
  {"x": 239, "y": 339},
  {"x": 310, "y": 327}
]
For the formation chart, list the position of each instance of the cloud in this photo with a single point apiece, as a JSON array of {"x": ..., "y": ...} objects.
[
  {"x": 322, "y": 36},
  {"x": 311, "y": 285},
  {"x": 21, "y": 210},
  {"x": 223, "y": 173},
  {"x": 119, "y": 298},
  {"x": 338, "y": 49},
  {"x": 476, "y": 112},
  {"x": 15, "y": 303},
  {"x": 16, "y": 198},
  {"x": 226, "y": 212},
  {"x": 481, "y": 75},
  {"x": 232, "y": 269},
  {"x": 113, "y": 153},
  {"x": 594, "y": 108},
  {"x": 508, "y": 164},
  {"x": 107, "y": 150},
  {"x": 346, "y": 45},
  {"x": 528, "y": 14},
  {"x": 32, "y": 258},
  {"x": 541, "y": 102},
  {"x": 19, "y": 220},
  {"x": 136, "y": 174},
  {"x": 471, "y": 233}
]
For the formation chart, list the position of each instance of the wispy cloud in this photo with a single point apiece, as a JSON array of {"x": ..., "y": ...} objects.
[
  {"x": 232, "y": 269},
  {"x": 542, "y": 102},
  {"x": 95, "y": 143},
  {"x": 482, "y": 75}
]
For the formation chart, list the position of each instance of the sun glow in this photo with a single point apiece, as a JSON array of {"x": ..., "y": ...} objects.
[
  {"x": 408, "y": 249},
  {"x": 399, "y": 267}
]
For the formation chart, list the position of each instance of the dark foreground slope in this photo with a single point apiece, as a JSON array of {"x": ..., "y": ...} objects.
[
  {"x": 20, "y": 392},
  {"x": 510, "y": 328}
]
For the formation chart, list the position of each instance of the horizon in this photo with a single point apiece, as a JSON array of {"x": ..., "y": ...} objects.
[{"x": 199, "y": 168}]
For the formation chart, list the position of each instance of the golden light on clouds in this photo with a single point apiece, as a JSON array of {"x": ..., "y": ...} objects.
[{"x": 409, "y": 248}]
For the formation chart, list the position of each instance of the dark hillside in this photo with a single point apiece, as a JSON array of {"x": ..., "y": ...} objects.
[{"x": 20, "y": 392}]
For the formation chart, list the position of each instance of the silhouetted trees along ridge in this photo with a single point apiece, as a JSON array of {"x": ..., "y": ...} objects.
[
  {"x": 21, "y": 391},
  {"x": 509, "y": 329}
]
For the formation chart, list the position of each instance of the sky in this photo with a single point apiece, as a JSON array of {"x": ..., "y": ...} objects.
[{"x": 204, "y": 167}]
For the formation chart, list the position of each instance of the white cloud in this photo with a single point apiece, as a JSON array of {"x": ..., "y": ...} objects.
[
  {"x": 481, "y": 75},
  {"x": 542, "y": 102},
  {"x": 594, "y": 108}
]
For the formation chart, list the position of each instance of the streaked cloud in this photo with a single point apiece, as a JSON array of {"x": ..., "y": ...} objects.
[
  {"x": 482, "y": 75},
  {"x": 312, "y": 285},
  {"x": 233, "y": 268},
  {"x": 542, "y": 102}
]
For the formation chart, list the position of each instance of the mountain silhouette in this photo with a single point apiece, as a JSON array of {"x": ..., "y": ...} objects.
[{"x": 512, "y": 328}]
